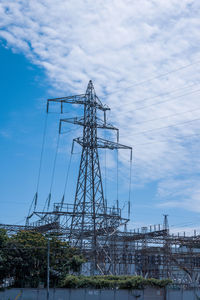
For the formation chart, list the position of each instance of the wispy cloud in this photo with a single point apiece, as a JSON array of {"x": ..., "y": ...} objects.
[
  {"x": 118, "y": 44},
  {"x": 181, "y": 193}
]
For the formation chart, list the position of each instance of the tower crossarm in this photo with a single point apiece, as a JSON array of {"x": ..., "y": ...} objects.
[
  {"x": 78, "y": 99},
  {"x": 80, "y": 121},
  {"x": 101, "y": 143}
]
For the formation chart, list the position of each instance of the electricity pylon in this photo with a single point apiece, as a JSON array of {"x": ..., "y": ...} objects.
[{"x": 91, "y": 218}]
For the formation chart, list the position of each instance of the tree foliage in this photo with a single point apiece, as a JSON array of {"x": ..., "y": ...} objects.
[
  {"x": 118, "y": 282},
  {"x": 3, "y": 256},
  {"x": 24, "y": 257}
]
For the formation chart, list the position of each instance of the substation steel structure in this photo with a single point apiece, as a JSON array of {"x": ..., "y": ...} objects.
[{"x": 99, "y": 231}]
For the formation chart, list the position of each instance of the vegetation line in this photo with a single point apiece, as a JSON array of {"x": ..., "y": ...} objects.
[{"x": 116, "y": 282}]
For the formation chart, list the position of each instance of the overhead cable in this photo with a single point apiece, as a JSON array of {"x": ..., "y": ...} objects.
[
  {"x": 166, "y": 141},
  {"x": 164, "y": 127},
  {"x": 160, "y": 102},
  {"x": 155, "y": 77},
  {"x": 164, "y": 94},
  {"x": 167, "y": 116}
]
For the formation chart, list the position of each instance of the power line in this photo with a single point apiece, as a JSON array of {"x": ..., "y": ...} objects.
[
  {"x": 166, "y": 93},
  {"x": 42, "y": 153},
  {"x": 20, "y": 221},
  {"x": 48, "y": 200},
  {"x": 54, "y": 163},
  {"x": 35, "y": 198},
  {"x": 160, "y": 102},
  {"x": 165, "y": 141},
  {"x": 164, "y": 127},
  {"x": 168, "y": 116},
  {"x": 155, "y": 77},
  {"x": 184, "y": 224},
  {"x": 66, "y": 181}
]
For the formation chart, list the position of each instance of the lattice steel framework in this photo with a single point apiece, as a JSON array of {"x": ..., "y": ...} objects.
[
  {"x": 90, "y": 218},
  {"x": 89, "y": 198}
]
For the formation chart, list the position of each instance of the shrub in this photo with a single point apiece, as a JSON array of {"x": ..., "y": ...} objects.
[{"x": 117, "y": 282}]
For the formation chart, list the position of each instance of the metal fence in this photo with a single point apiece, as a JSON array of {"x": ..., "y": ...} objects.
[{"x": 91, "y": 294}]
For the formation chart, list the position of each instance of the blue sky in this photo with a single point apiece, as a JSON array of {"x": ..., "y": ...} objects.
[
  {"x": 50, "y": 49},
  {"x": 21, "y": 92}
]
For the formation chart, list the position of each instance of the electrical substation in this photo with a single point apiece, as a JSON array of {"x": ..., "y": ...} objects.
[{"x": 99, "y": 230}]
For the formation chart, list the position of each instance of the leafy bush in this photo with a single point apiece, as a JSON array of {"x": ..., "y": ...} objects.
[{"x": 117, "y": 282}]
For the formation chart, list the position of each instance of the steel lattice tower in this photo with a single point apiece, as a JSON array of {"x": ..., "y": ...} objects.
[
  {"x": 91, "y": 220},
  {"x": 89, "y": 205}
]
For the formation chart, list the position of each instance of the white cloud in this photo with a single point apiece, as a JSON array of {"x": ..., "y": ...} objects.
[
  {"x": 116, "y": 44},
  {"x": 184, "y": 193}
]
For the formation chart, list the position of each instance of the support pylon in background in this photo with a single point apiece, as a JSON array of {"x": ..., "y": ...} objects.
[{"x": 165, "y": 223}]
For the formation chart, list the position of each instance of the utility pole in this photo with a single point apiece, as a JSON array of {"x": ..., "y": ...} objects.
[{"x": 48, "y": 264}]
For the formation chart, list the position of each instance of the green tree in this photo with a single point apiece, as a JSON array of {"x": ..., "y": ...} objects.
[
  {"x": 4, "y": 268},
  {"x": 25, "y": 258}
]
